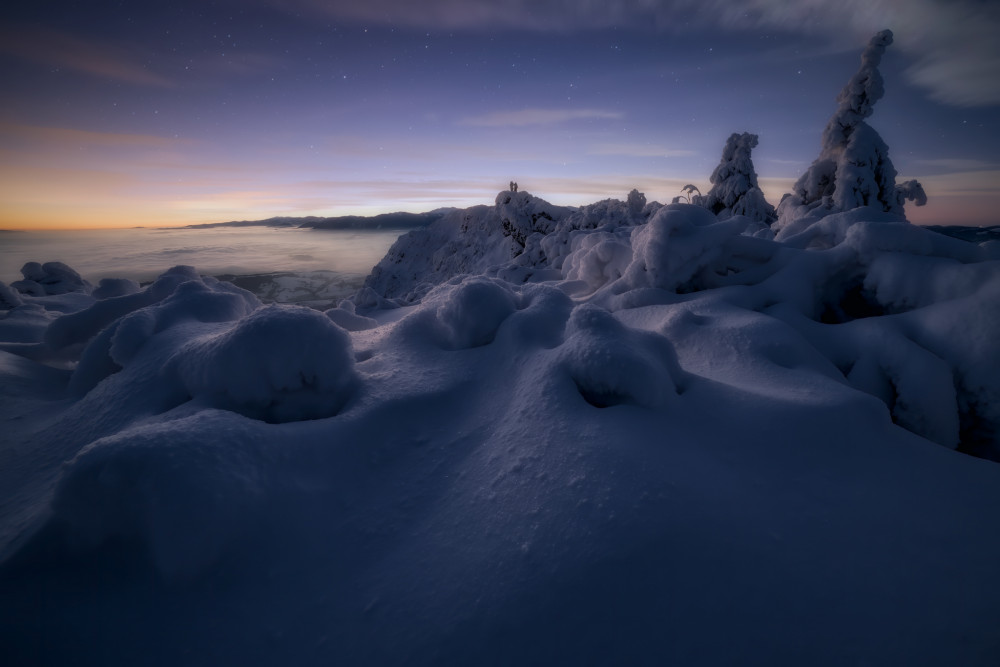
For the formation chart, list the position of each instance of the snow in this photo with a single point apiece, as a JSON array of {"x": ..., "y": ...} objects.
[{"x": 624, "y": 433}]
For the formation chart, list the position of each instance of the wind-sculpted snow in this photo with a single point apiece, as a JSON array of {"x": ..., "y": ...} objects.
[
  {"x": 624, "y": 433},
  {"x": 612, "y": 444},
  {"x": 857, "y": 264}
]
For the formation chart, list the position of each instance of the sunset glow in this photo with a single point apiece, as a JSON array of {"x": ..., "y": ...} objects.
[{"x": 173, "y": 116}]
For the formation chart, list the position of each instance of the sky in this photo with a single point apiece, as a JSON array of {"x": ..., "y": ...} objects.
[{"x": 122, "y": 114}]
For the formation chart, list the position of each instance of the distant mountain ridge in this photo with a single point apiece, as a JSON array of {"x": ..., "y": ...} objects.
[
  {"x": 398, "y": 220},
  {"x": 967, "y": 233}
]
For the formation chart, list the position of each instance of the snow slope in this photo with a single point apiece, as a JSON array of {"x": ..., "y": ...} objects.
[
  {"x": 703, "y": 447},
  {"x": 624, "y": 433}
]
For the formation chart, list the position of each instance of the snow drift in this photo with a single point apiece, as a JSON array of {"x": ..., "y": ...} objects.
[{"x": 620, "y": 433}]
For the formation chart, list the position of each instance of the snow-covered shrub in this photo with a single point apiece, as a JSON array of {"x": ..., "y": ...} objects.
[
  {"x": 910, "y": 191},
  {"x": 735, "y": 190},
  {"x": 522, "y": 214},
  {"x": 598, "y": 258},
  {"x": 679, "y": 242},
  {"x": 689, "y": 196},
  {"x": 279, "y": 364}
]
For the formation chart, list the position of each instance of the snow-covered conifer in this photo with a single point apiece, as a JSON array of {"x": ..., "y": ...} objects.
[
  {"x": 853, "y": 168},
  {"x": 636, "y": 202},
  {"x": 735, "y": 190}
]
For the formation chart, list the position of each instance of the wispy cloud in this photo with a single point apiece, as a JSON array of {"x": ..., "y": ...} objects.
[
  {"x": 959, "y": 183},
  {"x": 67, "y": 137},
  {"x": 65, "y": 51},
  {"x": 958, "y": 164},
  {"x": 526, "y": 117},
  {"x": 638, "y": 150},
  {"x": 953, "y": 45}
]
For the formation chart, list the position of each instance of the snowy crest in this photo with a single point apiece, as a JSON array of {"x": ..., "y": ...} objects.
[{"x": 853, "y": 169}]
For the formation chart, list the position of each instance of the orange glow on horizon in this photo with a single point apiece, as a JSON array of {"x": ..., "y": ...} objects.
[{"x": 58, "y": 178}]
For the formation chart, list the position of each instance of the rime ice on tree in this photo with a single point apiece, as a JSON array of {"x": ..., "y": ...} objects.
[
  {"x": 853, "y": 168},
  {"x": 734, "y": 183}
]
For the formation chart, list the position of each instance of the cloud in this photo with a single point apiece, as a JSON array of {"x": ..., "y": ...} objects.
[
  {"x": 958, "y": 164},
  {"x": 639, "y": 150},
  {"x": 952, "y": 43},
  {"x": 526, "y": 117},
  {"x": 959, "y": 184},
  {"x": 65, "y": 51},
  {"x": 66, "y": 137}
]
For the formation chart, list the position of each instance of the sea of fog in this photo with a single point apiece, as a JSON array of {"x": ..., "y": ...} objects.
[{"x": 143, "y": 254}]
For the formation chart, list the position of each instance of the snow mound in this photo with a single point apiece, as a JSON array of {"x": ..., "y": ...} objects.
[
  {"x": 308, "y": 376},
  {"x": 113, "y": 330},
  {"x": 473, "y": 311},
  {"x": 50, "y": 278},
  {"x": 111, "y": 287},
  {"x": 614, "y": 365},
  {"x": 9, "y": 297},
  {"x": 184, "y": 497}
]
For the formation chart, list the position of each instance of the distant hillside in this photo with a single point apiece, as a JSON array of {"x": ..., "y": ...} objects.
[
  {"x": 397, "y": 220},
  {"x": 973, "y": 234}
]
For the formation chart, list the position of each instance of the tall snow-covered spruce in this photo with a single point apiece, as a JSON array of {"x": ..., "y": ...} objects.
[{"x": 853, "y": 169}]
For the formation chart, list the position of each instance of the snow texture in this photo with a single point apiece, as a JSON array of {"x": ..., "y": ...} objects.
[{"x": 624, "y": 433}]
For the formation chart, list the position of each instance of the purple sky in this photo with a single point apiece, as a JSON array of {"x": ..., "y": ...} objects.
[{"x": 135, "y": 113}]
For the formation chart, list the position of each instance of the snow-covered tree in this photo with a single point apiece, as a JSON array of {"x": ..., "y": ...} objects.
[
  {"x": 853, "y": 168},
  {"x": 636, "y": 202},
  {"x": 735, "y": 190}
]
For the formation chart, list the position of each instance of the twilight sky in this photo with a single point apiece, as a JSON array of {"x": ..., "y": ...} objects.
[{"x": 159, "y": 113}]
